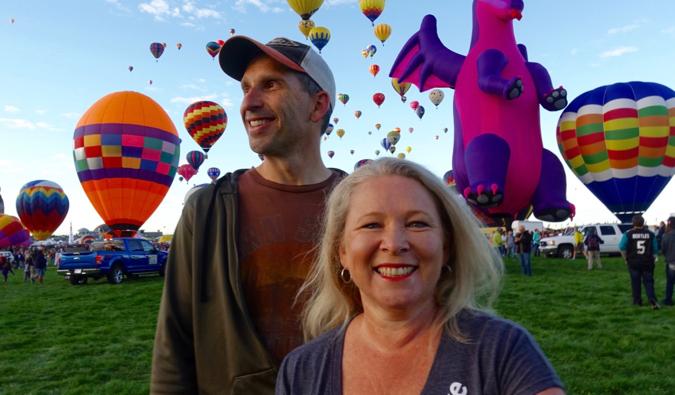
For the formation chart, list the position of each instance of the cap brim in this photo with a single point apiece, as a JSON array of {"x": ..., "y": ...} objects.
[{"x": 238, "y": 51}]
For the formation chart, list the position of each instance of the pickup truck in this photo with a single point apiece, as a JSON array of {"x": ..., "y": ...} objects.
[
  {"x": 112, "y": 259},
  {"x": 563, "y": 246}
]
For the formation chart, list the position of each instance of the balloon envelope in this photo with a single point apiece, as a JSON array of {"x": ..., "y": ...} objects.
[
  {"x": 205, "y": 121},
  {"x": 126, "y": 153},
  {"x": 213, "y": 48},
  {"x": 42, "y": 206},
  {"x": 401, "y": 89},
  {"x": 195, "y": 159},
  {"x": 319, "y": 36},
  {"x": 619, "y": 140},
  {"x": 12, "y": 232},
  {"x": 306, "y": 26},
  {"x": 362, "y": 162},
  {"x": 157, "y": 49},
  {"x": 331, "y": 154},
  {"x": 378, "y": 98},
  {"x": 344, "y": 98},
  {"x": 382, "y": 32},
  {"x": 372, "y": 9},
  {"x": 186, "y": 171},
  {"x": 213, "y": 173},
  {"x": 305, "y": 8}
]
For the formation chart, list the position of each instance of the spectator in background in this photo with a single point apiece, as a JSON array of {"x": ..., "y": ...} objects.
[
  {"x": 510, "y": 243},
  {"x": 498, "y": 242},
  {"x": 536, "y": 238},
  {"x": 639, "y": 249},
  {"x": 40, "y": 263},
  {"x": 578, "y": 243},
  {"x": 668, "y": 246},
  {"x": 6, "y": 269},
  {"x": 29, "y": 268},
  {"x": 592, "y": 243},
  {"x": 524, "y": 242},
  {"x": 660, "y": 232}
]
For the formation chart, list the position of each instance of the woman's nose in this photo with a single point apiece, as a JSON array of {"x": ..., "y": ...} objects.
[{"x": 395, "y": 240}]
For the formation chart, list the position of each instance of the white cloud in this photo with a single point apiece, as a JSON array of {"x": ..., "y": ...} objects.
[
  {"x": 58, "y": 156},
  {"x": 622, "y": 29},
  {"x": 119, "y": 6},
  {"x": 670, "y": 30},
  {"x": 190, "y": 100},
  {"x": 41, "y": 112},
  {"x": 193, "y": 86},
  {"x": 5, "y": 162},
  {"x": 51, "y": 172},
  {"x": 617, "y": 52},
  {"x": 12, "y": 170},
  {"x": 574, "y": 51},
  {"x": 159, "y": 9},
  {"x": 202, "y": 80},
  {"x": 47, "y": 126},
  {"x": 15, "y": 123},
  {"x": 339, "y": 2},
  {"x": 11, "y": 109},
  {"x": 596, "y": 65},
  {"x": 189, "y": 7},
  {"x": 187, "y": 24},
  {"x": 71, "y": 115},
  {"x": 262, "y": 6}
]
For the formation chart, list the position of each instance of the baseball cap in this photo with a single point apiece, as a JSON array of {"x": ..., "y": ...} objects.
[{"x": 238, "y": 51}]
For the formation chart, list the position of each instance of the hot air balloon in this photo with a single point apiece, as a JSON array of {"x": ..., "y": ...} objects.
[
  {"x": 369, "y": 133},
  {"x": 378, "y": 126},
  {"x": 42, "y": 206},
  {"x": 232, "y": 31},
  {"x": 382, "y": 32},
  {"x": 449, "y": 178},
  {"x": 149, "y": 82},
  {"x": 419, "y": 111},
  {"x": 319, "y": 36},
  {"x": 86, "y": 240},
  {"x": 325, "y": 138},
  {"x": 414, "y": 104},
  {"x": 374, "y": 69},
  {"x": 445, "y": 130},
  {"x": 385, "y": 143},
  {"x": 126, "y": 152},
  {"x": 364, "y": 53},
  {"x": 220, "y": 42},
  {"x": 157, "y": 49},
  {"x": 213, "y": 48},
  {"x": 393, "y": 137},
  {"x": 351, "y": 151},
  {"x": 213, "y": 173},
  {"x": 401, "y": 155},
  {"x": 408, "y": 149},
  {"x": 377, "y": 152},
  {"x": 362, "y": 162},
  {"x": 205, "y": 121},
  {"x": 401, "y": 89},
  {"x": 261, "y": 157},
  {"x": 436, "y": 96},
  {"x": 329, "y": 129},
  {"x": 191, "y": 192},
  {"x": 340, "y": 133},
  {"x": 371, "y": 50},
  {"x": 180, "y": 178},
  {"x": 179, "y": 46},
  {"x": 410, "y": 129},
  {"x": 305, "y": 27},
  {"x": 372, "y": 9},
  {"x": 357, "y": 114},
  {"x": 436, "y": 137},
  {"x": 305, "y": 8},
  {"x": 403, "y": 99},
  {"x": 12, "y": 232},
  {"x": 195, "y": 159},
  {"x": 186, "y": 171},
  {"x": 335, "y": 119},
  {"x": 344, "y": 98},
  {"x": 618, "y": 140},
  {"x": 397, "y": 130},
  {"x": 164, "y": 45},
  {"x": 392, "y": 149},
  {"x": 331, "y": 154},
  {"x": 11, "y": 21},
  {"x": 378, "y": 98},
  {"x": 131, "y": 68}
]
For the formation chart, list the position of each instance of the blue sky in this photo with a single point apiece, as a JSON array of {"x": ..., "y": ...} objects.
[{"x": 60, "y": 57}]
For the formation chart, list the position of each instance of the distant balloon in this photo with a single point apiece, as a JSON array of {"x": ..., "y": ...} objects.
[
  {"x": 445, "y": 130},
  {"x": 179, "y": 46},
  {"x": 305, "y": 8},
  {"x": 362, "y": 162},
  {"x": 213, "y": 48},
  {"x": 12, "y": 232},
  {"x": 378, "y": 126},
  {"x": 401, "y": 89},
  {"x": 377, "y": 152},
  {"x": 410, "y": 129},
  {"x": 393, "y": 137},
  {"x": 419, "y": 111},
  {"x": 319, "y": 36},
  {"x": 344, "y": 98},
  {"x": 131, "y": 68},
  {"x": 261, "y": 157},
  {"x": 126, "y": 152},
  {"x": 340, "y": 133},
  {"x": 378, "y": 98},
  {"x": 157, "y": 49},
  {"x": 397, "y": 130},
  {"x": 11, "y": 21},
  {"x": 374, "y": 69},
  {"x": 436, "y": 137},
  {"x": 414, "y": 104},
  {"x": 357, "y": 114},
  {"x": 351, "y": 151},
  {"x": 371, "y": 50},
  {"x": 385, "y": 143},
  {"x": 195, "y": 159},
  {"x": 382, "y": 32},
  {"x": 364, "y": 53},
  {"x": 180, "y": 178},
  {"x": 150, "y": 82},
  {"x": 392, "y": 149},
  {"x": 213, "y": 173},
  {"x": 42, "y": 206},
  {"x": 401, "y": 155},
  {"x": 306, "y": 27},
  {"x": 232, "y": 32},
  {"x": 220, "y": 42},
  {"x": 186, "y": 171},
  {"x": 164, "y": 45},
  {"x": 449, "y": 178},
  {"x": 369, "y": 133},
  {"x": 372, "y": 9},
  {"x": 206, "y": 122},
  {"x": 403, "y": 99},
  {"x": 192, "y": 191},
  {"x": 329, "y": 129},
  {"x": 331, "y": 154},
  {"x": 408, "y": 149},
  {"x": 436, "y": 96}
]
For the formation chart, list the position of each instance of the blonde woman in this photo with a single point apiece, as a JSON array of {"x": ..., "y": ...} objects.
[{"x": 394, "y": 298}]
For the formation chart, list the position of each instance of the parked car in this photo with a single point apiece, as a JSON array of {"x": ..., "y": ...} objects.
[
  {"x": 112, "y": 259},
  {"x": 7, "y": 256},
  {"x": 563, "y": 246}
]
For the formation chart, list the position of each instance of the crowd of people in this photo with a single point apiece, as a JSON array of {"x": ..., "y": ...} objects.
[{"x": 33, "y": 262}]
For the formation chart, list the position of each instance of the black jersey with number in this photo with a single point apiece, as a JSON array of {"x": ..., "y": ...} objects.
[{"x": 639, "y": 252}]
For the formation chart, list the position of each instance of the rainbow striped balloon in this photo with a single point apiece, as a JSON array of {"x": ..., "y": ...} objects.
[
  {"x": 12, "y": 232},
  {"x": 42, "y": 206},
  {"x": 619, "y": 140},
  {"x": 205, "y": 121},
  {"x": 126, "y": 152}
]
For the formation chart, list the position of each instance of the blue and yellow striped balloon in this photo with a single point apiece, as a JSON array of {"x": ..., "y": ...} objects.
[{"x": 319, "y": 36}]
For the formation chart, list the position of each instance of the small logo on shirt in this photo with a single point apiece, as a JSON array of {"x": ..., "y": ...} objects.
[{"x": 458, "y": 389}]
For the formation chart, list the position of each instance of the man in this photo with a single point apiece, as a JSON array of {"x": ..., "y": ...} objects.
[
  {"x": 536, "y": 239},
  {"x": 592, "y": 243},
  {"x": 639, "y": 250},
  {"x": 243, "y": 245},
  {"x": 510, "y": 243},
  {"x": 40, "y": 263},
  {"x": 579, "y": 243},
  {"x": 659, "y": 233},
  {"x": 524, "y": 245},
  {"x": 498, "y": 242}
]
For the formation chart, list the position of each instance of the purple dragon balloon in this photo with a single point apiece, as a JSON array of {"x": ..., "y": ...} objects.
[{"x": 499, "y": 161}]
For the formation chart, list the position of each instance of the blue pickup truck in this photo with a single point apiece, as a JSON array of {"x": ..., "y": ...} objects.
[{"x": 112, "y": 259}]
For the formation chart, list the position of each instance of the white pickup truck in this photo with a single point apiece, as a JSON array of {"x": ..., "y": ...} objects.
[{"x": 563, "y": 246}]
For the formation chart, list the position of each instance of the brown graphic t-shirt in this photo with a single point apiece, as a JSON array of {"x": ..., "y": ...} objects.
[{"x": 278, "y": 226}]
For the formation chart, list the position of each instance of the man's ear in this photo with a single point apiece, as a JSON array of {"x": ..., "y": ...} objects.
[{"x": 321, "y": 106}]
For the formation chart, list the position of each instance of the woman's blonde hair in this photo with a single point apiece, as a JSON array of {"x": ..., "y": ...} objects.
[{"x": 472, "y": 282}]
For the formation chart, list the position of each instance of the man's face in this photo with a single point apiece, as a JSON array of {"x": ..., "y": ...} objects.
[
  {"x": 276, "y": 108},
  {"x": 521, "y": 229}
]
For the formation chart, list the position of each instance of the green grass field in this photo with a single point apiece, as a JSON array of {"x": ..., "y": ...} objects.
[{"x": 57, "y": 338}]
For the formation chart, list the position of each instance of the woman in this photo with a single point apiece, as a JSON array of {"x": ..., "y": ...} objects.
[
  {"x": 592, "y": 243},
  {"x": 393, "y": 297},
  {"x": 668, "y": 249}
]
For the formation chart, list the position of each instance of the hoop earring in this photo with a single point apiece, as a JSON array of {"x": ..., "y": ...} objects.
[
  {"x": 342, "y": 276},
  {"x": 446, "y": 266}
]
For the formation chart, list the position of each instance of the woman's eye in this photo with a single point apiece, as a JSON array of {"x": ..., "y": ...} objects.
[
  {"x": 371, "y": 226},
  {"x": 418, "y": 224}
]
